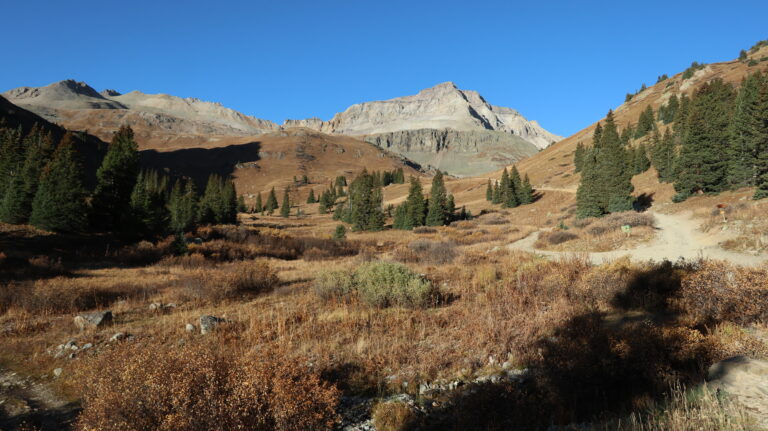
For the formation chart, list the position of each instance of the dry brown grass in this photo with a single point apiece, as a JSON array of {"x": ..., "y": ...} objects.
[
  {"x": 393, "y": 416},
  {"x": 599, "y": 234}
]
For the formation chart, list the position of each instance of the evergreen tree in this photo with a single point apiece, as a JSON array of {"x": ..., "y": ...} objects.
[
  {"x": 640, "y": 161},
  {"x": 614, "y": 171},
  {"x": 285, "y": 209},
  {"x": 115, "y": 180},
  {"x": 667, "y": 112},
  {"x": 646, "y": 123},
  {"x": 517, "y": 185},
  {"x": 496, "y": 193},
  {"x": 526, "y": 191},
  {"x": 311, "y": 197},
  {"x": 414, "y": 207},
  {"x": 150, "y": 216},
  {"x": 340, "y": 233},
  {"x": 11, "y": 156},
  {"x": 702, "y": 165},
  {"x": 663, "y": 156},
  {"x": 588, "y": 199},
  {"x": 210, "y": 207},
  {"x": 241, "y": 206},
  {"x": 399, "y": 221},
  {"x": 365, "y": 202},
  {"x": 259, "y": 206},
  {"x": 271, "y": 204},
  {"x": 399, "y": 176},
  {"x": 489, "y": 191},
  {"x": 437, "y": 212},
  {"x": 578, "y": 157},
  {"x": 761, "y": 139},
  {"x": 228, "y": 212},
  {"x": 182, "y": 205},
  {"x": 59, "y": 203},
  {"x": 743, "y": 134}
]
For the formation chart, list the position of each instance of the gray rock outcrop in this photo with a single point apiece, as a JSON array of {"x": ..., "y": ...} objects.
[
  {"x": 210, "y": 323},
  {"x": 96, "y": 319}
]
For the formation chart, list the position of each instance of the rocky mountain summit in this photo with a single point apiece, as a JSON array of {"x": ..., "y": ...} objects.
[
  {"x": 443, "y": 106},
  {"x": 454, "y": 130}
]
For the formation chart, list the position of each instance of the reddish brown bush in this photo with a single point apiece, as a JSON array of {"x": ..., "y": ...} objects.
[
  {"x": 233, "y": 281},
  {"x": 194, "y": 388}
]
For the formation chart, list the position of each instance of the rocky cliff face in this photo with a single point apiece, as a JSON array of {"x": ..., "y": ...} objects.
[
  {"x": 443, "y": 106},
  {"x": 460, "y": 153}
]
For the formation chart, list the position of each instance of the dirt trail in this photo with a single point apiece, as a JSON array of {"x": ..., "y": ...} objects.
[
  {"x": 678, "y": 237},
  {"x": 24, "y": 400}
]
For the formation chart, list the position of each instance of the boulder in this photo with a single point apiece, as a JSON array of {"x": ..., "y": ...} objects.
[
  {"x": 209, "y": 323},
  {"x": 746, "y": 380},
  {"x": 96, "y": 319},
  {"x": 189, "y": 327}
]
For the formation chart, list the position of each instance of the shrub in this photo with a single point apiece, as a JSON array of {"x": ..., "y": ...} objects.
[
  {"x": 424, "y": 230},
  {"x": 393, "y": 416},
  {"x": 434, "y": 252},
  {"x": 340, "y": 232},
  {"x": 556, "y": 237},
  {"x": 237, "y": 280},
  {"x": 194, "y": 388},
  {"x": 333, "y": 285},
  {"x": 383, "y": 284}
]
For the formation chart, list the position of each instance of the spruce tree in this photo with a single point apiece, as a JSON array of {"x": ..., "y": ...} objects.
[
  {"x": 210, "y": 203},
  {"x": 743, "y": 131},
  {"x": 241, "y": 207},
  {"x": 489, "y": 191},
  {"x": 311, "y": 197},
  {"x": 150, "y": 216},
  {"x": 259, "y": 206},
  {"x": 526, "y": 191},
  {"x": 438, "y": 203},
  {"x": 183, "y": 206},
  {"x": 228, "y": 203},
  {"x": 365, "y": 202},
  {"x": 646, "y": 123},
  {"x": 271, "y": 204},
  {"x": 39, "y": 151},
  {"x": 578, "y": 157},
  {"x": 115, "y": 180},
  {"x": 11, "y": 156},
  {"x": 761, "y": 139},
  {"x": 613, "y": 170},
  {"x": 59, "y": 203},
  {"x": 414, "y": 206},
  {"x": 496, "y": 193},
  {"x": 702, "y": 165},
  {"x": 285, "y": 209},
  {"x": 517, "y": 185}
]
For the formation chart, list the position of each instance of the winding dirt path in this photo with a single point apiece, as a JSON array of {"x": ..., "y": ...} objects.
[
  {"x": 24, "y": 400},
  {"x": 678, "y": 237}
]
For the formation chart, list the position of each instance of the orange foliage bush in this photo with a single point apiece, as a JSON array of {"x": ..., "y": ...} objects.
[{"x": 193, "y": 388}]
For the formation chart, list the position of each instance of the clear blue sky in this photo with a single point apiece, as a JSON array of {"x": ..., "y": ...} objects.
[{"x": 563, "y": 63}]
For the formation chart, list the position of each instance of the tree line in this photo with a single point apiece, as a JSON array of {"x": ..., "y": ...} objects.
[{"x": 42, "y": 183}]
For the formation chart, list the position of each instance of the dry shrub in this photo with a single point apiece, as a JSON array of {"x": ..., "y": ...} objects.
[
  {"x": 236, "y": 280},
  {"x": 196, "y": 388},
  {"x": 393, "y": 416},
  {"x": 241, "y": 244},
  {"x": 554, "y": 238},
  {"x": 144, "y": 252},
  {"x": 614, "y": 222},
  {"x": 421, "y": 250},
  {"x": 720, "y": 292},
  {"x": 493, "y": 219}
]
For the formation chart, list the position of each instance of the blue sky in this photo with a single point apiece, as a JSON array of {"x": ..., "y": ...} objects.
[{"x": 563, "y": 63}]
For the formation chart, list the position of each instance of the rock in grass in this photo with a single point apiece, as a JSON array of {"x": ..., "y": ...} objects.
[
  {"x": 209, "y": 323},
  {"x": 189, "y": 327},
  {"x": 96, "y": 319}
]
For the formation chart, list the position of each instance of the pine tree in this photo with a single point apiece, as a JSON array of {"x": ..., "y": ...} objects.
[
  {"x": 11, "y": 156},
  {"x": 614, "y": 171},
  {"x": 210, "y": 202},
  {"x": 59, "y": 203},
  {"x": 496, "y": 193},
  {"x": 526, "y": 191},
  {"x": 228, "y": 203},
  {"x": 640, "y": 162},
  {"x": 414, "y": 207},
  {"x": 588, "y": 199},
  {"x": 399, "y": 176},
  {"x": 702, "y": 165},
  {"x": 761, "y": 139},
  {"x": 399, "y": 221},
  {"x": 742, "y": 140},
  {"x": 646, "y": 123},
  {"x": 311, "y": 197},
  {"x": 150, "y": 216},
  {"x": 578, "y": 157},
  {"x": 285, "y": 208},
  {"x": 438, "y": 204},
  {"x": 517, "y": 185},
  {"x": 271, "y": 204},
  {"x": 365, "y": 202},
  {"x": 489, "y": 191},
  {"x": 115, "y": 180},
  {"x": 183, "y": 206},
  {"x": 259, "y": 206},
  {"x": 667, "y": 112},
  {"x": 241, "y": 206}
]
